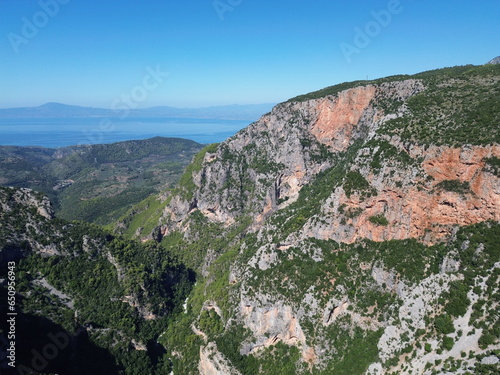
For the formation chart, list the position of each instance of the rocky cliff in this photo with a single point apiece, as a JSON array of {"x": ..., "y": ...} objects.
[
  {"x": 355, "y": 221},
  {"x": 423, "y": 190},
  {"x": 101, "y": 296}
]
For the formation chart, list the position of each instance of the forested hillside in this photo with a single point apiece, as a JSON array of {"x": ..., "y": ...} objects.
[
  {"x": 98, "y": 183},
  {"x": 107, "y": 299}
]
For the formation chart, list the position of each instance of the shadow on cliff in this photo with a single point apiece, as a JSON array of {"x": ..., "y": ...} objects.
[{"x": 43, "y": 347}]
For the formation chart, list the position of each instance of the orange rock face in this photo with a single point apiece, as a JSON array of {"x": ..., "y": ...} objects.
[
  {"x": 459, "y": 164},
  {"x": 338, "y": 118},
  {"x": 429, "y": 213}
]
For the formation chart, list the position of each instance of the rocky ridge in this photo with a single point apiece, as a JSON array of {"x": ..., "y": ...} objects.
[
  {"x": 263, "y": 168},
  {"x": 342, "y": 203},
  {"x": 496, "y": 60}
]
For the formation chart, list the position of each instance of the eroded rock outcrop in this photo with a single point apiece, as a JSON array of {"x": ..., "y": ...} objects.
[
  {"x": 212, "y": 362},
  {"x": 420, "y": 208}
]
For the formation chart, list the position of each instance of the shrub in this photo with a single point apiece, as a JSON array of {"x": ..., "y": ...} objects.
[
  {"x": 486, "y": 340},
  {"x": 455, "y": 186},
  {"x": 448, "y": 343},
  {"x": 444, "y": 324},
  {"x": 378, "y": 220}
]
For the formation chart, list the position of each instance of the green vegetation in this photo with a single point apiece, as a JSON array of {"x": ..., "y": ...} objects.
[
  {"x": 458, "y": 302},
  {"x": 210, "y": 323},
  {"x": 100, "y": 209},
  {"x": 214, "y": 236},
  {"x": 493, "y": 165},
  {"x": 128, "y": 295},
  {"x": 98, "y": 183},
  {"x": 355, "y": 182},
  {"x": 186, "y": 184},
  {"x": 357, "y": 353},
  {"x": 408, "y": 260},
  {"x": 310, "y": 198},
  {"x": 350, "y": 213},
  {"x": 467, "y": 95},
  {"x": 378, "y": 220},
  {"x": 487, "y": 339},
  {"x": 279, "y": 359},
  {"x": 334, "y": 90},
  {"x": 443, "y": 324},
  {"x": 313, "y": 195},
  {"x": 112, "y": 284},
  {"x": 455, "y": 186},
  {"x": 387, "y": 154},
  {"x": 229, "y": 344},
  {"x": 448, "y": 343}
]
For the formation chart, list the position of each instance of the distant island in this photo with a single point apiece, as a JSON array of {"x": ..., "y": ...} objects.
[{"x": 248, "y": 112}]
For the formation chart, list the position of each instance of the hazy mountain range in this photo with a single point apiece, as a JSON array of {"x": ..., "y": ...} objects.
[{"x": 227, "y": 112}]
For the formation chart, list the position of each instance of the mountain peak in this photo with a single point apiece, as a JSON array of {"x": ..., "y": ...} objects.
[
  {"x": 496, "y": 60},
  {"x": 56, "y": 105}
]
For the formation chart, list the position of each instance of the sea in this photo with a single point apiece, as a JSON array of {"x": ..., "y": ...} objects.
[{"x": 61, "y": 132}]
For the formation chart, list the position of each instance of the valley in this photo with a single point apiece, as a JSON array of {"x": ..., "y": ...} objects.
[{"x": 98, "y": 183}]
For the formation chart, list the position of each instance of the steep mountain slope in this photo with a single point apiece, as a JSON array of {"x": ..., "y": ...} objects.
[
  {"x": 102, "y": 300},
  {"x": 351, "y": 230},
  {"x": 97, "y": 183},
  {"x": 496, "y": 60}
]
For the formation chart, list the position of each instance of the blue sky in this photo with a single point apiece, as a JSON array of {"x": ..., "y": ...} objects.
[{"x": 92, "y": 53}]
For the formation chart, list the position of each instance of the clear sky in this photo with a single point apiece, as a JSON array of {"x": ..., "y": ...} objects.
[{"x": 92, "y": 53}]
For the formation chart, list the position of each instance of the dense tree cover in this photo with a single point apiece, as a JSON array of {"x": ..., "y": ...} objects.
[
  {"x": 111, "y": 294},
  {"x": 98, "y": 183}
]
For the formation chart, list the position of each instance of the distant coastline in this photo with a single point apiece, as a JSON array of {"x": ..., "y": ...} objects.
[
  {"x": 250, "y": 112},
  {"x": 70, "y": 131}
]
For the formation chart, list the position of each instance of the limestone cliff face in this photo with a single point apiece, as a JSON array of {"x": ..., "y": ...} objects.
[
  {"x": 329, "y": 167},
  {"x": 263, "y": 168},
  {"x": 416, "y": 207},
  {"x": 24, "y": 205},
  {"x": 338, "y": 117}
]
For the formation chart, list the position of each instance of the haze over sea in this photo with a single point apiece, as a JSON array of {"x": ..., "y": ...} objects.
[{"x": 61, "y": 132}]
